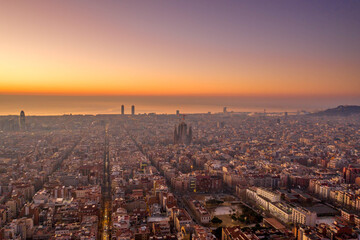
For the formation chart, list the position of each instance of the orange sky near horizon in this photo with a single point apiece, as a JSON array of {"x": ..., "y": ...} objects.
[{"x": 69, "y": 49}]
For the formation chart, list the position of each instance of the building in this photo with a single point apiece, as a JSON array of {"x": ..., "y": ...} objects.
[
  {"x": 202, "y": 233},
  {"x": 270, "y": 195},
  {"x": 181, "y": 134},
  {"x": 182, "y": 218},
  {"x": 143, "y": 166},
  {"x": 262, "y": 197},
  {"x": 22, "y": 124},
  {"x": 303, "y": 216},
  {"x": 133, "y": 110},
  {"x": 177, "y": 112},
  {"x": 201, "y": 213},
  {"x": 206, "y": 183},
  {"x": 281, "y": 211},
  {"x": 350, "y": 173},
  {"x": 122, "y": 109},
  {"x": 235, "y": 232},
  {"x": 180, "y": 183}
]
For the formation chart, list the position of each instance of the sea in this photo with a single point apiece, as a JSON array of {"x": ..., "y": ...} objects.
[{"x": 63, "y": 104}]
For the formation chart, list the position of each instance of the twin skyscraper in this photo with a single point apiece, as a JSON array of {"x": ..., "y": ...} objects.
[{"x": 123, "y": 110}]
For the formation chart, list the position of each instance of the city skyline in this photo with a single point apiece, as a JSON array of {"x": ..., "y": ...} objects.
[{"x": 59, "y": 105}]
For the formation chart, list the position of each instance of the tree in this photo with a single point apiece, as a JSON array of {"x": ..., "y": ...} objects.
[
  {"x": 216, "y": 220},
  {"x": 217, "y": 232}
]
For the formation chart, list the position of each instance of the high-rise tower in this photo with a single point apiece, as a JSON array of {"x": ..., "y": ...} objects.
[
  {"x": 133, "y": 110},
  {"x": 181, "y": 133},
  {"x": 122, "y": 109},
  {"x": 22, "y": 124}
]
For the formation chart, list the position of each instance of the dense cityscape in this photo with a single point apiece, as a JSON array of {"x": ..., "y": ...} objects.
[
  {"x": 180, "y": 120},
  {"x": 172, "y": 176}
]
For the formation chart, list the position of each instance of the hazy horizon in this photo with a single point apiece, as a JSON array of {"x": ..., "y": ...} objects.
[{"x": 59, "y": 105}]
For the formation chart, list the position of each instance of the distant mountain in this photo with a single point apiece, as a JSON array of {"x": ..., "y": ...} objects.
[{"x": 339, "y": 111}]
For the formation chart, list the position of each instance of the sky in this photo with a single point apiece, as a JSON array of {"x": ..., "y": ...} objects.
[{"x": 259, "y": 48}]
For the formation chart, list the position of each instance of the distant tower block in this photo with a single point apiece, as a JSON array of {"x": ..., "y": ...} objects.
[
  {"x": 177, "y": 112},
  {"x": 181, "y": 133},
  {"x": 22, "y": 121},
  {"x": 225, "y": 110},
  {"x": 133, "y": 110},
  {"x": 286, "y": 114},
  {"x": 122, "y": 109}
]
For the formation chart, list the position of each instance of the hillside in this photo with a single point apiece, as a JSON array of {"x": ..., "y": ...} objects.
[{"x": 339, "y": 111}]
